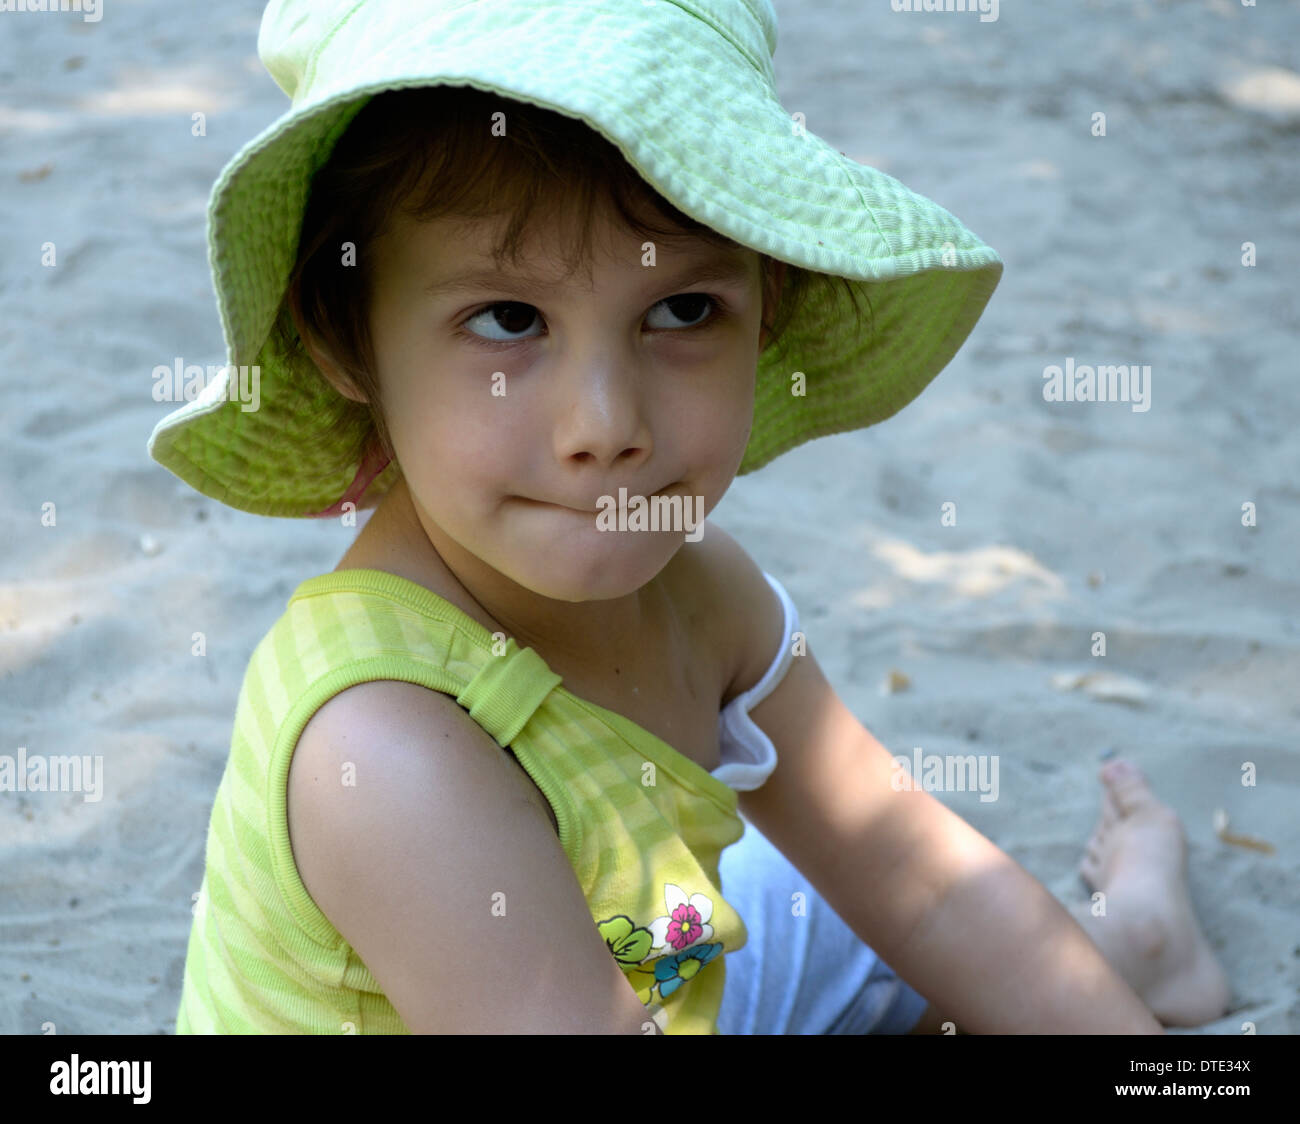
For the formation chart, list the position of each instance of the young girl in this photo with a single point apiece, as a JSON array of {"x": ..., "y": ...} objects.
[{"x": 505, "y": 269}]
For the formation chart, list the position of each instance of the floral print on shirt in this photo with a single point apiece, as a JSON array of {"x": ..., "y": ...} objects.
[{"x": 668, "y": 952}]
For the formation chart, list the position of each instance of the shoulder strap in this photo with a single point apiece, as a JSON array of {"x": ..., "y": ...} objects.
[{"x": 506, "y": 691}]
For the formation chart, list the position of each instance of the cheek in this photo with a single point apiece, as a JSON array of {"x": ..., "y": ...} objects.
[
  {"x": 740, "y": 420},
  {"x": 715, "y": 428},
  {"x": 438, "y": 417},
  {"x": 459, "y": 440},
  {"x": 447, "y": 435}
]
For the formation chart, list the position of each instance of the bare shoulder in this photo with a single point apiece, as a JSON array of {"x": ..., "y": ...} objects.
[
  {"x": 388, "y": 735},
  {"x": 387, "y": 751},
  {"x": 746, "y": 617},
  {"x": 409, "y": 856},
  {"x": 403, "y": 715}
]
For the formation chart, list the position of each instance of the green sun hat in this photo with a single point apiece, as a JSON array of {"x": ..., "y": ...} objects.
[{"x": 686, "y": 91}]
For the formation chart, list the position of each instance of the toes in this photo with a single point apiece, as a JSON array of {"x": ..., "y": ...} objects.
[
  {"x": 1127, "y": 787},
  {"x": 1091, "y": 864},
  {"x": 1119, "y": 769},
  {"x": 1135, "y": 804},
  {"x": 1109, "y": 811},
  {"x": 1095, "y": 847}
]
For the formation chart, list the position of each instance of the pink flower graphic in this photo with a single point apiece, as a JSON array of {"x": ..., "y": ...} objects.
[
  {"x": 686, "y": 922},
  {"x": 686, "y": 926}
]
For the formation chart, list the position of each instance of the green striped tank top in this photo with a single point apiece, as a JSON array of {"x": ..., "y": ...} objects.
[{"x": 262, "y": 958}]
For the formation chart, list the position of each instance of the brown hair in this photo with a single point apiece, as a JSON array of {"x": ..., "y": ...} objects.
[{"x": 424, "y": 148}]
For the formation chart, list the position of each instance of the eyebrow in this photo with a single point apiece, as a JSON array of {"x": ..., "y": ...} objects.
[{"x": 730, "y": 268}]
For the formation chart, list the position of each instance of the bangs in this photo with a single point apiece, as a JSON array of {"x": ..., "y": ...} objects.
[{"x": 495, "y": 158}]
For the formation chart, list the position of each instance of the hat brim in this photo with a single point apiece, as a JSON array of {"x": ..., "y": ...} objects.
[{"x": 701, "y": 124}]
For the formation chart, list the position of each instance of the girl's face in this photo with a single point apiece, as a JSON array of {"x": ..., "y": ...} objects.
[{"x": 515, "y": 402}]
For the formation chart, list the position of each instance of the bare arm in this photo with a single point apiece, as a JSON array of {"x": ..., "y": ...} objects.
[
  {"x": 962, "y": 922},
  {"x": 956, "y": 917},
  {"x": 443, "y": 874}
]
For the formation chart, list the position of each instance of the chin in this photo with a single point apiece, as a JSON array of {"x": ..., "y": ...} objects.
[{"x": 603, "y": 578}]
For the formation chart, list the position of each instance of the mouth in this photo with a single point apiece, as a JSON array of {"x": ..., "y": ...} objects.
[
  {"x": 553, "y": 506},
  {"x": 589, "y": 511}
]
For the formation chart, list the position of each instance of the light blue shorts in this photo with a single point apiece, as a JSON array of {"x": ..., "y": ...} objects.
[{"x": 801, "y": 974}]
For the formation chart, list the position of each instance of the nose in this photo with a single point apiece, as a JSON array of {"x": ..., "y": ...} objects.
[{"x": 601, "y": 416}]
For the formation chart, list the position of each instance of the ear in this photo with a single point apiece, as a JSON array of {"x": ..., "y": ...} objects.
[
  {"x": 772, "y": 288},
  {"x": 325, "y": 363}
]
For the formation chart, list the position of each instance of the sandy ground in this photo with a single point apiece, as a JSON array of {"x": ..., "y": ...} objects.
[{"x": 1072, "y": 518}]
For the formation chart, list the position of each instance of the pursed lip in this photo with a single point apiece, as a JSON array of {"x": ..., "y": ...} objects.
[{"x": 592, "y": 510}]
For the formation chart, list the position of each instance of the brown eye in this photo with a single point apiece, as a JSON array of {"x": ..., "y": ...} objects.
[
  {"x": 691, "y": 307},
  {"x": 506, "y": 316}
]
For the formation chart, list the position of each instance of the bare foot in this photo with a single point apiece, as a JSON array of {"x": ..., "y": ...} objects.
[{"x": 1137, "y": 857}]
